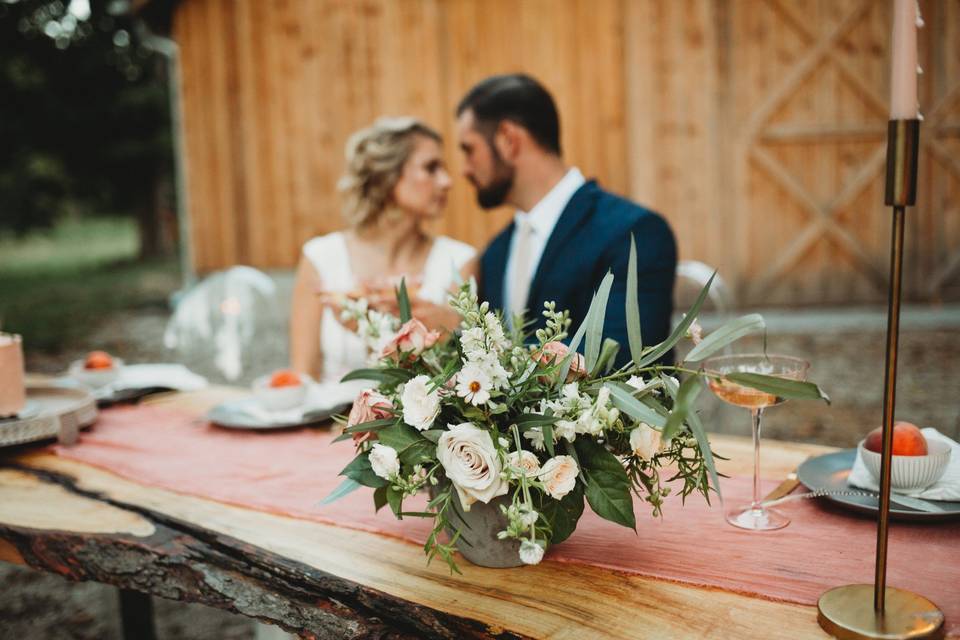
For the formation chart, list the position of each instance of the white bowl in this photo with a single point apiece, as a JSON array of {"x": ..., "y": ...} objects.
[
  {"x": 910, "y": 472},
  {"x": 94, "y": 378},
  {"x": 280, "y": 398}
]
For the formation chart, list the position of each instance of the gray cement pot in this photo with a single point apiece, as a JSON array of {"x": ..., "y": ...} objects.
[{"x": 478, "y": 533}]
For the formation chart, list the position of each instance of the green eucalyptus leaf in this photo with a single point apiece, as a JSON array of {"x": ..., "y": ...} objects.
[
  {"x": 349, "y": 485},
  {"x": 574, "y": 345},
  {"x": 373, "y": 425},
  {"x": 725, "y": 335},
  {"x": 390, "y": 375},
  {"x": 608, "y": 487},
  {"x": 680, "y": 330},
  {"x": 634, "y": 333},
  {"x": 608, "y": 355},
  {"x": 686, "y": 397},
  {"x": 403, "y": 301},
  {"x": 548, "y": 438},
  {"x": 780, "y": 387},
  {"x": 704, "y": 443},
  {"x": 595, "y": 318},
  {"x": 623, "y": 399}
]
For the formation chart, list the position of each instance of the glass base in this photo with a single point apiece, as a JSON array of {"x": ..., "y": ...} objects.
[{"x": 757, "y": 519}]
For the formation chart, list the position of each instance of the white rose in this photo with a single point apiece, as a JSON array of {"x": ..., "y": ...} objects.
[
  {"x": 384, "y": 461},
  {"x": 420, "y": 404},
  {"x": 471, "y": 463},
  {"x": 645, "y": 441},
  {"x": 559, "y": 475},
  {"x": 530, "y": 552},
  {"x": 524, "y": 462}
]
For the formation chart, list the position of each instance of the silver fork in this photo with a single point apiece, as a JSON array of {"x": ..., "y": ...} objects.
[{"x": 906, "y": 501}]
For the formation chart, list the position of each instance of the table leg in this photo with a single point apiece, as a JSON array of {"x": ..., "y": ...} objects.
[{"x": 136, "y": 615}]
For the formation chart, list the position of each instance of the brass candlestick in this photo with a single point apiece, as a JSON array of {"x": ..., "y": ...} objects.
[{"x": 849, "y": 611}]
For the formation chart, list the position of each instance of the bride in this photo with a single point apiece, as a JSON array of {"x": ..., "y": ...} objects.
[{"x": 395, "y": 181}]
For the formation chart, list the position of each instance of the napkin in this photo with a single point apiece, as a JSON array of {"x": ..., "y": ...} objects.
[
  {"x": 174, "y": 376},
  {"x": 946, "y": 488},
  {"x": 324, "y": 397}
]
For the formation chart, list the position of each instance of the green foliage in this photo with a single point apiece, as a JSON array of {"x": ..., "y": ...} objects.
[
  {"x": 608, "y": 487},
  {"x": 84, "y": 118},
  {"x": 360, "y": 471},
  {"x": 780, "y": 387},
  {"x": 562, "y": 515}
]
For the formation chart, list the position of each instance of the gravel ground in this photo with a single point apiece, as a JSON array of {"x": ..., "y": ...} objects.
[{"x": 846, "y": 350}]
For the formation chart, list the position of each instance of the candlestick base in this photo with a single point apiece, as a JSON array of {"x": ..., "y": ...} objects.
[{"x": 847, "y": 612}]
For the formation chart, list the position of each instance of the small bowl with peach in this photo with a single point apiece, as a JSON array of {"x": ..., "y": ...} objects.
[
  {"x": 916, "y": 461},
  {"x": 281, "y": 390},
  {"x": 96, "y": 370}
]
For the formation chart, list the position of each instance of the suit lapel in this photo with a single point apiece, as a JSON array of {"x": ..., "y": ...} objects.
[
  {"x": 580, "y": 205},
  {"x": 495, "y": 266}
]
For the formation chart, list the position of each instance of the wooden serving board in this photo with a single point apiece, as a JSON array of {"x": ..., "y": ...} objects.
[
  {"x": 51, "y": 412},
  {"x": 324, "y": 581}
]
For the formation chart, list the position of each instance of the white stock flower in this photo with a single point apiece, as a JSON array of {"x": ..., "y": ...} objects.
[
  {"x": 384, "y": 461},
  {"x": 645, "y": 441},
  {"x": 530, "y": 552},
  {"x": 490, "y": 364},
  {"x": 528, "y": 516},
  {"x": 524, "y": 462},
  {"x": 473, "y": 341},
  {"x": 559, "y": 476},
  {"x": 470, "y": 461},
  {"x": 637, "y": 383},
  {"x": 535, "y": 436},
  {"x": 498, "y": 341},
  {"x": 473, "y": 384},
  {"x": 420, "y": 404}
]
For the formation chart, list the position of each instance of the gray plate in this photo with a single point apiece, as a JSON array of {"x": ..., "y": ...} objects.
[
  {"x": 231, "y": 414},
  {"x": 830, "y": 472}
]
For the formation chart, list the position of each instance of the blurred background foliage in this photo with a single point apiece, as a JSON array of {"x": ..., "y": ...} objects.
[{"x": 84, "y": 120}]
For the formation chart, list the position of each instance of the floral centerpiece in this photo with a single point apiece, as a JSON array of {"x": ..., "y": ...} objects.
[{"x": 526, "y": 426}]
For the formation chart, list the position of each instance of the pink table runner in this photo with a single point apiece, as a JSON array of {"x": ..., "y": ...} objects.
[{"x": 289, "y": 472}]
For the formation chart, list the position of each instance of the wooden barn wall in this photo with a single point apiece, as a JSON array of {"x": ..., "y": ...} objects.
[{"x": 757, "y": 127}]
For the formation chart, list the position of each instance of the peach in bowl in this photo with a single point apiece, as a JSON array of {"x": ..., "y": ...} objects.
[
  {"x": 281, "y": 390},
  {"x": 916, "y": 462},
  {"x": 97, "y": 370}
]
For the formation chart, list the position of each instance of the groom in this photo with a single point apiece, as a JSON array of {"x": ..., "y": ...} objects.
[{"x": 567, "y": 232}]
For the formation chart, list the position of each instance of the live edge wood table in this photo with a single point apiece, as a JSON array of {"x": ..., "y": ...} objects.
[{"x": 324, "y": 581}]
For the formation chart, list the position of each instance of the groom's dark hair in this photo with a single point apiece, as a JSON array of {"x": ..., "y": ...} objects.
[{"x": 519, "y": 98}]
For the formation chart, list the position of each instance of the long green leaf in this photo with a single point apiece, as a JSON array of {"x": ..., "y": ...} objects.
[
  {"x": 608, "y": 355},
  {"x": 725, "y": 335},
  {"x": 623, "y": 399},
  {"x": 349, "y": 485},
  {"x": 388, "y": 376},
  {"x": 704, "y": 443},
  {"x": 373, "y": 425},
  {"x": 680, "y": 330},
  {"x": 780, "y": 387},
  {"x": 686, "y": 397},
  {"x": 595, "y": 318},
  {"x": 548, "y": 438},
  {"x": 403, "y": 300},
  {"x": 634, "y": 332},
  {"x": 574, "y": 345}
]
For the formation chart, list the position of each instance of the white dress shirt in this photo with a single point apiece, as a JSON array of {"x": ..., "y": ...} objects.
[{"x": 542, "y": 219}]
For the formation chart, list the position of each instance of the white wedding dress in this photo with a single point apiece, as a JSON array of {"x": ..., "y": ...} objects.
[{"x": 342, "y": 350}]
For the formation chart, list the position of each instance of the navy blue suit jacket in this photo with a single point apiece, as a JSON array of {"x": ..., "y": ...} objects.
[{"x": 592, "y": 237}]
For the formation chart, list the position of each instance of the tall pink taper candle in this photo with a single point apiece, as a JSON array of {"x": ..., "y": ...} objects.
[{"x": 903, "y": 61}]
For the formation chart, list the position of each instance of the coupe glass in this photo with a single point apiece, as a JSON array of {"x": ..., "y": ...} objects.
[{"x": 753, "y": 516}]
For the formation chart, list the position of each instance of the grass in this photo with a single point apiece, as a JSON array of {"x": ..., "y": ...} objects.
[{"x": 56, "y": 286}]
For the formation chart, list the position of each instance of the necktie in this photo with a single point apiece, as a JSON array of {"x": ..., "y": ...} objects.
[{"x": 520, "y": 285}]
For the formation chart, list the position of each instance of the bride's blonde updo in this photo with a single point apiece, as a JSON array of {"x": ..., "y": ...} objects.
[{"x": 375, "y": 159}]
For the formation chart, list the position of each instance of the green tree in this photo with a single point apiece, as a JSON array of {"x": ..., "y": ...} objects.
[{"x": 84, "y": 122}]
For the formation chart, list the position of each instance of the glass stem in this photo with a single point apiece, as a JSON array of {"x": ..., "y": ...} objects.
[{"x": 756, "y": 415}]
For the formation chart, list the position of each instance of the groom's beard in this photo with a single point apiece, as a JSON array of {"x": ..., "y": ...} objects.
[{"x": 495, "y": 194}]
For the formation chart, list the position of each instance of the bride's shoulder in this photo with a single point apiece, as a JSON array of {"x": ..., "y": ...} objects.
[
  {"x": 455, "y": 249},
  {"x": 320, "y": 245}
]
